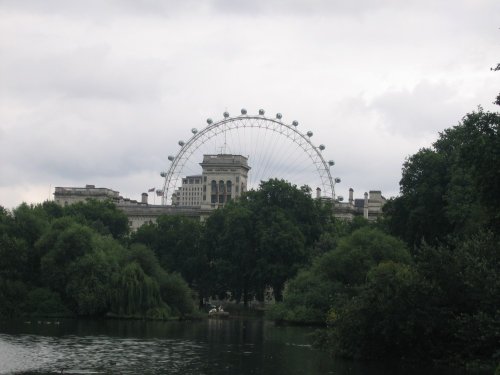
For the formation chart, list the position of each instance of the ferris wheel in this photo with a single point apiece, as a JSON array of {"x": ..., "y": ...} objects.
[{"x": 274, "y": 149}]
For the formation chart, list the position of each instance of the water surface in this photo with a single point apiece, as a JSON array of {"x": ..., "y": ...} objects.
[{"x": 233, "y": 346}]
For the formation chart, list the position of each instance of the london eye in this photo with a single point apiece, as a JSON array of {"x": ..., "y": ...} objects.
[{"x": 274, "y": 148}]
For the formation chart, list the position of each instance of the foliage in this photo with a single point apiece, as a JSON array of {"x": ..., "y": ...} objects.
[
  {"x": 338, "y": 275},
  {"x": 44, "y": 302},
  {"x": 444, "y": 304},
  {"x": 261, "y": 240},
  {"x": 72, "y": 260},
  {"x": 135, "y": 293},
  {"x": 451, "y": 188},
  {"x": 387, "y": 318},
  {"x": 103, "y": 216},
  {"x": 12, "y": 297},
  {"x": 176, "y": 242}
]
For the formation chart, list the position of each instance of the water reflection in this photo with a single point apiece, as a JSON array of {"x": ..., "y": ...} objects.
[{"x": 235, "y": 346}]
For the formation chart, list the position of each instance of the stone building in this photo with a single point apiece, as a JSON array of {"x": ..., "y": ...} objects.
[
  {"x": 69, "y": 195},
  {"x": 370, "y": 207},
  {"x": 224, "y": 177}
]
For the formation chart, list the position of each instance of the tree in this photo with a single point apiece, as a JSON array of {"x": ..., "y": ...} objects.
[
  {"x": 338, "y": 275},
  {"x": 69, "y": 244},
  {"x": 281, "y": 251},
  {"x": 450, "y": 189},
  {"x": 393, "y": 316},
  {"x": 296, "y": 203},
  {"x": 236, "y": 258},
  {"x": 103, "y": 216},
  {"x": 176, "y": 242},
  {"x": 419, "y": 212}
]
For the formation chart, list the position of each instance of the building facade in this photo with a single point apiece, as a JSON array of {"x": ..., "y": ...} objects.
[
  {"x": 370, "y": 207},
  {"x": 224, "y": 177},
  {"x": 68, "y": 195}
]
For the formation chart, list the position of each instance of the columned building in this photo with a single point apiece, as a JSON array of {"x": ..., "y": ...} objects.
[{"x": 224, "y": 178}]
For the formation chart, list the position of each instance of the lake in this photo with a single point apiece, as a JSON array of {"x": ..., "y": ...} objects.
[{"x": 210, "y": 346}]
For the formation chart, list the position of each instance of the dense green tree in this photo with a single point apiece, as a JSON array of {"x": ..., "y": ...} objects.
[
  {"x": 30, "y": 222},
  {"x": 451, "y": 188},
  {"x": 89, "y": 284},
  {"x": 174, "y": 290},
  {"x": 70, "y": 244},
  {"x": 135, "y": 293},
  {"x": 392, "y": 316},
  {"x": 177, "y": 243},
  {"x": 338, "y": 275},
  {"x": 357, "y": 253},
  {"x": 13, "y": 258},
  {"x": 309, "y": 215},
  {"x": 103, "y": 216},
  {"x": 45, "y": 302},
  {"x": 12, "y": 297},
  {"x": 280, "y": 251},
  {"x": 419, "y": 213},
  {"x": 236, "y": 258},
  {"x": 73, "y": 260}
]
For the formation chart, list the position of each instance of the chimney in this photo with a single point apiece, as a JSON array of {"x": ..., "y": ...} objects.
[
  {"x": 365, "y": 208},
  {"x": 144, "y": 198},
  {"x": 351, "y": 195},
  {"x": 318, "y": 193}
]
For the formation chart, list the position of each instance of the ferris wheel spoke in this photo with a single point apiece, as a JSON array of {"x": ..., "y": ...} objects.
[{"x": 258, "y": 138}]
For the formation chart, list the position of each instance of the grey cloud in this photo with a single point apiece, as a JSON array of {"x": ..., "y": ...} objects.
[
  {"x": 424, "y": 110},
  {"x": 82, "y": 73},
  {"x": 98, "y": 10}
]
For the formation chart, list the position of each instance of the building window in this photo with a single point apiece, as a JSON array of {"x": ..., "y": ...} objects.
[
  {"x": 237, "y": 178},
  {"x": 205, "y": 179},
  {"x": 237, "y": 189},
  {"x": 214, "y": 198},
  {"x": 214, "y": 187},
  {"x": 221, "y": 199},
  {"x": 221, "y": 186},
  {"x": 228, "y": 185}
]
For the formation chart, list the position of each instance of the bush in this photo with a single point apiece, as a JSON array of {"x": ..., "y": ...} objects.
[{"x": 44, "y": 302}]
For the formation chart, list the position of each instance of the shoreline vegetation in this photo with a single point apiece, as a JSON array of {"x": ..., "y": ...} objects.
[{"x": 421, "y": 284}]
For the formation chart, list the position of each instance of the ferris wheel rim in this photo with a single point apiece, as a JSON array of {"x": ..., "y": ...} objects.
[{"x": 173, "y": 174}]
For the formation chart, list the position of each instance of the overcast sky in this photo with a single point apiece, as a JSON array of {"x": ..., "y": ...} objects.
[{"x": 99, "y": 92}]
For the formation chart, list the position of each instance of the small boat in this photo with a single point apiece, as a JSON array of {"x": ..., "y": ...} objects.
[{"x": 218, "y": 313}]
